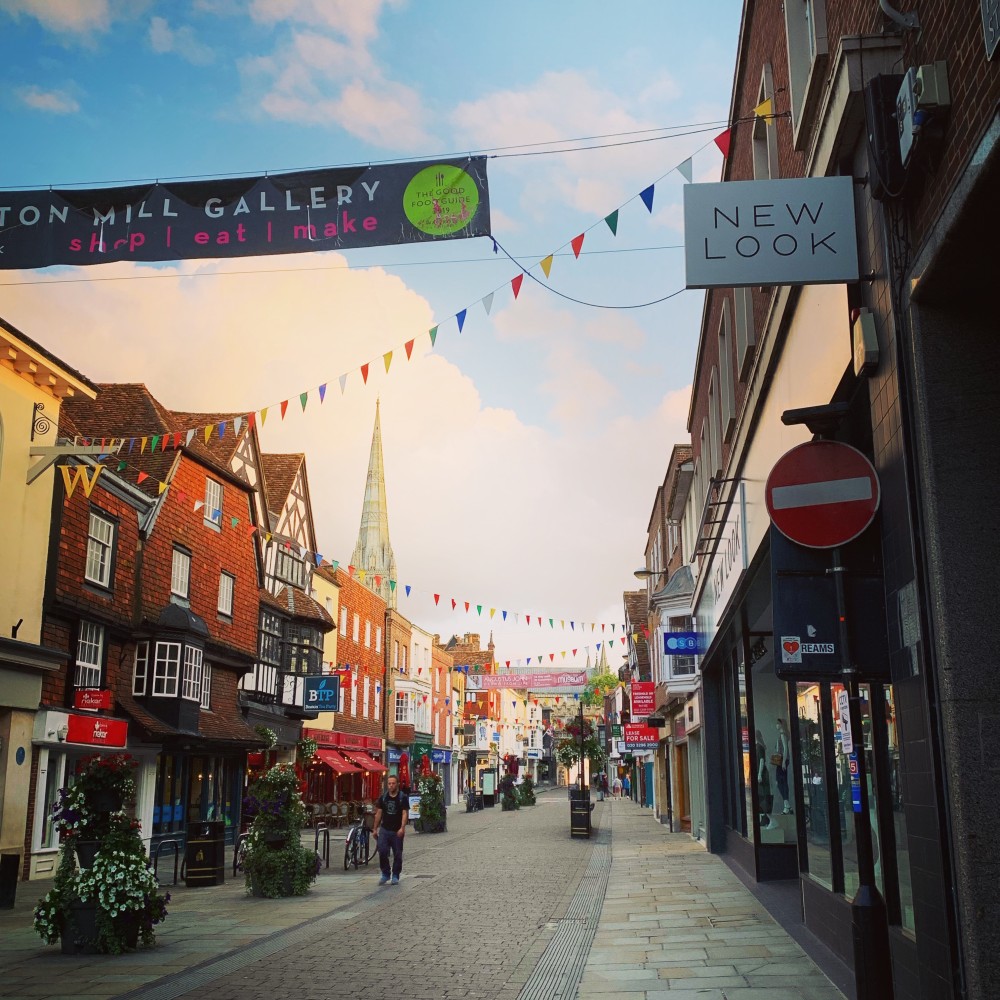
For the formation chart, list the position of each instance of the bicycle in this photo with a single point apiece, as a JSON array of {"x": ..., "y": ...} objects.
[{"x": 358, "y": 845}]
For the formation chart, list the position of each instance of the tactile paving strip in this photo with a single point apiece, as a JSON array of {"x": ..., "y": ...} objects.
[{"x": 559, "y": 971}]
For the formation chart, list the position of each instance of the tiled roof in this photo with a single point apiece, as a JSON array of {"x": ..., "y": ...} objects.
[
  {"x": 279, "y": 474},
  {"x": 129, "y": 410},
  {"x": 300, "y": 605}
]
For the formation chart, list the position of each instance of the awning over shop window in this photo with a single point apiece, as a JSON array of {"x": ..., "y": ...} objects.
[
  {"x": 335, "y": 762},
  {"x": 365, "y": 761}
]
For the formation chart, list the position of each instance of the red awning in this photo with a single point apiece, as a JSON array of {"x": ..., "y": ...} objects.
[
  {"x": 335, "y": 762},
  {"x": 365, "y": 761}
]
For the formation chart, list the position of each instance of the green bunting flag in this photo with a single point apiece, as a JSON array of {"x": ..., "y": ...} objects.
[{"x": 612, "y": 221}]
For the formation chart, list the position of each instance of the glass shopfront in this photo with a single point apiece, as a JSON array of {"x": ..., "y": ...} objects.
[{"x": 191, "y": 788}]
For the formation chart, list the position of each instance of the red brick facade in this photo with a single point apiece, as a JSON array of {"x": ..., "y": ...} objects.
[
  {"x": 441, "y": 707},
  {"x": 399, "y": 636}
]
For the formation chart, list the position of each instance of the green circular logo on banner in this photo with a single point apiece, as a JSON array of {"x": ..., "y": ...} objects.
[{"x": 441, "y": 200}]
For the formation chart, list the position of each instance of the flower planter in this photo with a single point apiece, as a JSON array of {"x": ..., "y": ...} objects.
[
  {"x": 86, "y": 852},
  {"x": 79, "y": 933},
  {"x": 275, "y": 841},
  {"x": 286, "y": 887},
  {"x": 105, "y": 800},
  {"x": 431, "y": 826}
]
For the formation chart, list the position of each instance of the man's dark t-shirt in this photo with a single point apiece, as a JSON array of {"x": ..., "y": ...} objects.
[{"x": 392, "y": 810}]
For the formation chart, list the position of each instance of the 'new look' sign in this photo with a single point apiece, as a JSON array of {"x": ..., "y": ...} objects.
[{"x": 799, "y": 231}]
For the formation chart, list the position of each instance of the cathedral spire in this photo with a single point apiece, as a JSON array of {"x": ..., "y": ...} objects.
[{"x": 373, "y": 551}]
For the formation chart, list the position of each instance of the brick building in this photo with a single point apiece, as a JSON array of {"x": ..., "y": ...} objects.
[
  {"x": 444, "y": 711},
  {"x": 153, "y": 591},
  {"x": 479, "y": 706},
  {"x": 920, "y": 401},
  {"x": 401, "y": 702}
]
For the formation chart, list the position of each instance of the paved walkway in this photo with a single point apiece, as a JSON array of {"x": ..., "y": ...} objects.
[
  {"x": 677, "y": 924},
  {"x": 503, "y": 906}
]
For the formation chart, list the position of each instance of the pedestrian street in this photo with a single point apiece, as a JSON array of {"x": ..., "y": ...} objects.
[{"x": 504, "y": 905}]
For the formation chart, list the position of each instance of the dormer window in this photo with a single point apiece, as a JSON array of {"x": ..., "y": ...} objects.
[
  {"x": 170, "y": 668},
  {"x": 212, "y": 511}
]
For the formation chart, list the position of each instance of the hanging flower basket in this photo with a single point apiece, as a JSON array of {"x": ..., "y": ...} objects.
[
  {"x": 86, "y": 852},
  {"x": 105, "y": 800}
]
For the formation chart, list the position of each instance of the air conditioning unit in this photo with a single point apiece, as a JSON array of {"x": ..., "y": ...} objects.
[{"x": 922, "y": 94}]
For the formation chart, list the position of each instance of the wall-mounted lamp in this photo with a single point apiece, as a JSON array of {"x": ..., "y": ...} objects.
[
  {"x": 644, "y": 574},
  {"x": 62, "y": 733}
]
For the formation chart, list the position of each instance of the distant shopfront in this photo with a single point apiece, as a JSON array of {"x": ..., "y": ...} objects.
[{"x": 345, "y": 768}]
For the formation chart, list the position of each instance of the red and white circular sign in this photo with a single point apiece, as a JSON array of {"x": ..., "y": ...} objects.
[{"x": 822, "y": 494}]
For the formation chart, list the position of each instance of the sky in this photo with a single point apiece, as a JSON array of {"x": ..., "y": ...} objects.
[{"x": 522, "y": 455}]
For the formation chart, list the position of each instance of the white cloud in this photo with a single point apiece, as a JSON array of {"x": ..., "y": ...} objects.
[
  {"x": 57, "y": 102},
  {"x": 181, "y": 41},
  {"x": 483, "y": 506},
  {"x": 78, "y": 17}
]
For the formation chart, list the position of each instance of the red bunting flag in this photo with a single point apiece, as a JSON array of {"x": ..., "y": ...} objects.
[
  {"x": 409, "y": 349},
  {"x": 722, "y": 140},
  {"x": 364, "y": 374},
  {"x": 378, "y": 581},
  {"x": 437, "y": 597},
  {"x": 284, "y": 406},
  {"x": 350, "y": 571},
  {"x": 552, "y": 656},
  {"x": 466, "y": 605},
  {"x": 528, "y": 617},
  {"x": 454, "y": 604},
  {"x": 577, "y": 245},
  {"x": 142, "y": 477},
  {"x": 515, "y": 284}
]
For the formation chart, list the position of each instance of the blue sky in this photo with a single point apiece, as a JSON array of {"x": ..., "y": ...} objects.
[{"x": 522, "y": 456}]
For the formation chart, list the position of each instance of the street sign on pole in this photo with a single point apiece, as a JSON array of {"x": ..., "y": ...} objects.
[{"x": 822, "y": 494}]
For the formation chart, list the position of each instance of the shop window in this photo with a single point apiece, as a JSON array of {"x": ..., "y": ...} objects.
[
  {"x": 169, "y": 805},
  {"x": 805, "y": 31},
  {"x": 166, "y": 669},
  {"x": 818, "y": 860},
  {"x": 89, "y": 655},
  {"x": 746, "y": 765},
  {"x": 180, "y": 574},
  {"x": 212, "y": 511},
  {"x": 140, "y": 668},
  {"x": 100, "y": 549},
  {"x": 746, "y": 335},
  {"x": 227, "y": 584},
  {"x": 206, "y": 687},
  {"x": 52, "y": 766},
  {"x": 191, "y": 686},
  {"x": 904, "y": 879}
]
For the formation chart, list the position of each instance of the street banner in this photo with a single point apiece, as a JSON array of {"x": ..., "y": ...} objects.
[
  {"x": 332, "y": 209},
  {"x": 520, "y": 682},
  {"x": 640, "y": 737}
]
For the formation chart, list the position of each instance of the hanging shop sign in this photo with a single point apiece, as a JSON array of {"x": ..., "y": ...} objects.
[
  {"x": 684, "y": 643},
  {"x": 441, "y": 756},
  {"x": 796, "y": 231},
  {"x": 640, "y": 737},
  {"x": 642, "y": 696},
  {"x": 521, "y": 682},
  {"x": 336, "y": 209},
  {"x": 321, "y": 694},
  {"x": 92, "y": 699},
  {"x": 96, "y": 732}
]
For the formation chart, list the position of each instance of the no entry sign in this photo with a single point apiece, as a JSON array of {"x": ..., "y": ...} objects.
[{"x": 822, "y": 494}]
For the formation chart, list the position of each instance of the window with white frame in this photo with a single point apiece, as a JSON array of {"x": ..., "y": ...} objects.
[
  {"x": 378, "y": 698},
  {"x": 180, "y": 573},
  {"x": 100, "y": 549},
  {"x": 343, "y": 622},
  {"x": 395, "y": 654},
  {"x": 378, "y": 639},
  {"x": 212, "y": 511},
  {"x": 289, "y": 568},
  {"x": 746, "y": 336},
  {"x": 765, "y": 133},
  {"x": 403, "y": 707},
  {"x": 727, "y": 389},
  {"x": 681, "y": 666},
  {"x": 808, "y": 50},
  {"x": 364, "y": 704},
  {"x": 368, "y": 635},
  {"x": 206, "y": 686},
  {"x": 140, "y": 668},
  {"x": 89, "y": 655},
  {"x": 166, "y": 669},
  {"x": 402, "y": 661},
  {"x": 191, "y": 688},
  {"x": 227, "y": 584},
  {"x": 355, "y": 627},
  {"x": 329, "y": 606}
]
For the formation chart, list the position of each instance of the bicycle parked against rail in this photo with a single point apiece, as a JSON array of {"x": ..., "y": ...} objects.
[{"x": 358, "y": 846}]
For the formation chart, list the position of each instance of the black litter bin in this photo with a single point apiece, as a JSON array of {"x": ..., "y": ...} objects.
[
  {"x": 579, "y": 812},
  {"x": 205, "y": 854},
  {"x": 10, "y": 869}
]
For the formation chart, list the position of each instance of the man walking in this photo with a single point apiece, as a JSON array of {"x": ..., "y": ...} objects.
[{"x": 391, "y": 813}]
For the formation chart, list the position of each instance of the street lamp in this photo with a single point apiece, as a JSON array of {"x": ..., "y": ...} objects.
[{"x": 644, "y": 574}]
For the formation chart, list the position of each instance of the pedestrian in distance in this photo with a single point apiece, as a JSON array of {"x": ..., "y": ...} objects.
[
  {"x": 626, "y": 787},
  {"x": 391, "y": 813},
  {"x": 617, "y": 786}
]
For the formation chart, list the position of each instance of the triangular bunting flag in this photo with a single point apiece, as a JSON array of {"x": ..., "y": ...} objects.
[
  {"x": 350, "y": 571},
  {"x": 387, "y": 358},
  {"x": 577, "y": 245},
  {"x": 222, "y": 428},
  {"x": 460, "y": 316},
  {"x": 504, "y": 613},
  {"x": 263, "y": 416},
  {"x": 303, "y": 399},
  {"x": 612, "y": 221},
  {"x": 409, "y": 349},
  {"x": 234, "y": 522},
  {"x": 362, "y": 573},
  {"x": 433, "y": 333},
  {"x": 237, "y": 424},
  {"x": 284, "y": 407},
  {"x": 364, "y": 374},
  {"x": 142, "y": 446},
  {"x": 547, "y": 265},
  {"x": 765, "y": 109},
  {"x": 161, "y": 488},
  {"x": 322, "y": 392},
  {"x": 198, "y": 504},
  {"x": 686, "y": 169},
  {"x": 515, "y": 284},
  {"x": 466, "y": 605},
  {"x": 392, "y": 586},
  {"x": 647, "y": 197},
  {"x": 121, "y": 466},
  {"x": 343, "y": 384},
  {"x": 156, "y": 441},
  {"x": 437, "y": 597},
  {"x": 493, "y": 611},
  {"x": 722, "y": 140},
  {"x": 407, "y": 589},
  {"x": 488, "y": 303},
  {"x": 251, "y": 420},
  {"x": 454, "y": 604}
]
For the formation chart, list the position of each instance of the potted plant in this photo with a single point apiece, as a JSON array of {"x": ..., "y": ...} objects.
[
  {"x": 526, "y": 791},
  {"x": 433, "y": 814},
  {"x": 275, "y": 862},
  {"x": 509, "y": 799},
  {"x": 104, "y": 897}
]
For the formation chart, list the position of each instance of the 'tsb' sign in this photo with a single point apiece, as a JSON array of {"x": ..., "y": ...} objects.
[{"x": 321, "y": 694}]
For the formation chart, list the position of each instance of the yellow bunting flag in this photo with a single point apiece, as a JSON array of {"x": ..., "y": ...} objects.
[
  {"x": 81, "y": 474},
  {"x": 547, "y": 265},
  {"x": 208, "y": 432},
  {"x": 263, "y": 416},
  {"x": 387, "y": 358},
  {"x": 161, "y": 488},
  {"x": 765, "y": 109}
]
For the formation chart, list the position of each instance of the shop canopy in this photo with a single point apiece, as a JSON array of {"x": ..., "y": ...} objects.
[
  {"x": 335, "y": 762},
  {"x": 365, "y": 761}
]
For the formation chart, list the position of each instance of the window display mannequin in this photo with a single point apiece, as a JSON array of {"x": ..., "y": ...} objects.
[
  {"x": 765, "y": 798},
  {"x": 780, "y": 759}
]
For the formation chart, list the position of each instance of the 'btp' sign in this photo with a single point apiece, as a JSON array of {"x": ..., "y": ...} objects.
[{"x": 321, "y": 694}]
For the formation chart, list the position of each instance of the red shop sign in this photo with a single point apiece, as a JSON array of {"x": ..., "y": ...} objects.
[
  {"x": 96, "y": 731},
  {"x": 92, "y": 699}
]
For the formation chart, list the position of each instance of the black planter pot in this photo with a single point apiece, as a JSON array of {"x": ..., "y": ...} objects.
[
  {"x": 79, "y": 934},
  {"x": 105, "y": 800},
  {"x": 275, "y": 841},
  {"x": 86, "y": 852}
]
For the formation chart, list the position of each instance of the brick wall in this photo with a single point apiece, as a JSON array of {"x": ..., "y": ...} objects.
[
  {"x": 356, "y": 719},
  {"x": 397, "y": 630},
  {"x": 441, "y": 707}
]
